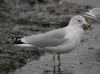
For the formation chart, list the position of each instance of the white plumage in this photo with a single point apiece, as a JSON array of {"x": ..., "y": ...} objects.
[{"x": 62, "y": 40}]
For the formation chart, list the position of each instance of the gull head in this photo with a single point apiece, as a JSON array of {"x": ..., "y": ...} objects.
[{"x": 79, "y": 21}]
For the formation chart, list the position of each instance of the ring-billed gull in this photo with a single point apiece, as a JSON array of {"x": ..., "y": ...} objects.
[{"x": 62, "y": 40}]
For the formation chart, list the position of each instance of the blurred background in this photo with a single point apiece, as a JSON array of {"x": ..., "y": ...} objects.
[
  {"x": 95, "y": 3},
  {"x": 27, "y": 17}
]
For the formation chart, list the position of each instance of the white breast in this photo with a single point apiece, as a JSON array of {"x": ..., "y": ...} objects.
[{"x": 74, "y": 35}]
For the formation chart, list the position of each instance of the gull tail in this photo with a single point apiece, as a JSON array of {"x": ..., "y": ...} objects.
[{"x": 18, "y": 42}]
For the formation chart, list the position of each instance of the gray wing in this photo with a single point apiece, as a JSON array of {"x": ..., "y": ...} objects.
[{"x": 51, "y": 38}]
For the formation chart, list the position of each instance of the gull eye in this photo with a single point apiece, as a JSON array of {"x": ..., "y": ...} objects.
[{"x": 79, "y": 20}]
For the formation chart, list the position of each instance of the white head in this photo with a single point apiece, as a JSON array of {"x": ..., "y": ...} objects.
[{"x": 79, "y": 21}]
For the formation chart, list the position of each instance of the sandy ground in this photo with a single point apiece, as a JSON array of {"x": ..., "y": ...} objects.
[
  {"x": 83, "y": 60},
  {"x": 24, "y": 18}
]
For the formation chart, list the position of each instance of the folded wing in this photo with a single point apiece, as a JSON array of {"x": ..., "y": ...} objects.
[{"x": 51, "y": 38}]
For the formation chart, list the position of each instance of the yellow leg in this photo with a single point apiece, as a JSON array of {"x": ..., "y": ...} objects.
[
  {"x": 59, "y": 64},
  {"x": 56, "y": 60},
  {"x": 54, "y": 63}
]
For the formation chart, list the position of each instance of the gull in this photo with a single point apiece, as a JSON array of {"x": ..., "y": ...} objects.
[
  {"x": 94, "y": 14},
  {"x": 58, "y": 41}
]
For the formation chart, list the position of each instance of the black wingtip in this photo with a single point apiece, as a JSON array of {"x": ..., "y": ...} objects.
[{"x": 16, "y": 40}]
